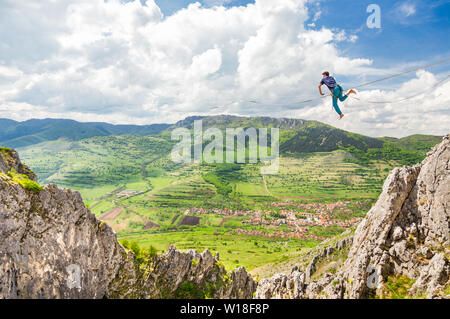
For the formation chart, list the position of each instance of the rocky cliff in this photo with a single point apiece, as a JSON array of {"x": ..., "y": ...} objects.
[
  {"x": 403, "y": 243},
  {"x": 52, "y": 246}
]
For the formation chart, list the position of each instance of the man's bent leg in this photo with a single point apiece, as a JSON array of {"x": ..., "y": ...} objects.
[
  {"x": 342, "y": 98},
  {"x": 336, "y": 106}
]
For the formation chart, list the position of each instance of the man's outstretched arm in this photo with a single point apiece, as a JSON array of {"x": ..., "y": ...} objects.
[{"x": 320, "y": 89}]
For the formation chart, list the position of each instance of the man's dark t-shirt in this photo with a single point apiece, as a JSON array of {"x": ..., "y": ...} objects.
[{"x": 329, "y": 81}]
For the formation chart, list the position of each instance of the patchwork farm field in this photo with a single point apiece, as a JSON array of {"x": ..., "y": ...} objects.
[{"x": 326, "y": 176}]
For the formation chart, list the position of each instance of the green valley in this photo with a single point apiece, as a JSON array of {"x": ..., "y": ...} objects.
[{"x": 328, "y": 179}]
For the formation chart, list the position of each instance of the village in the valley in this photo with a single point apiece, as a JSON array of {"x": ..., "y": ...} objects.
[{"x": 297, "y": 218}]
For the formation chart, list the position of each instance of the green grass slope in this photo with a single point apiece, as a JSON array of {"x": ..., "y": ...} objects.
[
  {"x": 96, "y": 161},
  {"x": 417, "y": 142}
]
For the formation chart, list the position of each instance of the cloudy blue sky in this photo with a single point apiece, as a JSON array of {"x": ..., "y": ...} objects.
[{"x": 159, "y": 61}]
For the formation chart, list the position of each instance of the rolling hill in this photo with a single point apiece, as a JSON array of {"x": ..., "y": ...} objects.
[
  {"x": 297, "y": 136},
  {"x": 301, "y": 136},
  {"x": 417, "y": 142},
  {"x": 20, "y": 134}
]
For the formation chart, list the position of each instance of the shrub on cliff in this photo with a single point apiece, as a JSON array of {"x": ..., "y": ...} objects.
[
  {"x": 24, "y": 181},
  {"x": 141, "y": 255}
]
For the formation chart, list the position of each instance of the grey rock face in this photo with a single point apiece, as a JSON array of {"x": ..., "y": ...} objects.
[
  {"x": 324, "y": 253},
  {"x": 282, "y": 286},
  {"x": 45, "y": 236},
  {"x": 406, "y": 233},
  {"x": 9, "y": 159},
  {"x": 52, "y": 246},
  {"x": 191, "y": 274},
  {"x": 433, "y": 276}
]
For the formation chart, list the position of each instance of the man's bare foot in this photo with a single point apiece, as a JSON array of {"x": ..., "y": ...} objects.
[
  {"x": 341, "y": 116},
  {"x": 351, "y": 91}
]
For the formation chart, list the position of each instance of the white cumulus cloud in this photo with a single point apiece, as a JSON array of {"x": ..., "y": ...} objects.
[{"x": 125, "y": 62}]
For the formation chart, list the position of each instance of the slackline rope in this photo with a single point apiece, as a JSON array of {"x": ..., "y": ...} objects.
[{"x": 355, "y": 87}]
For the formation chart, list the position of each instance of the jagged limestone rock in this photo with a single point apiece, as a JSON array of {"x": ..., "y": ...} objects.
[
  {"x": 282, "y": 286},
  {"x": 191, "y": 274},
  {"x": 434, "y": 276},
  {"x": 44, "y": 234},
  {"x": 9, "y": 159}
]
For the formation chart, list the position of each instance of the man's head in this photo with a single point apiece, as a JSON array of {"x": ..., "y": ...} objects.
[{"x": 325, "y": 74}]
